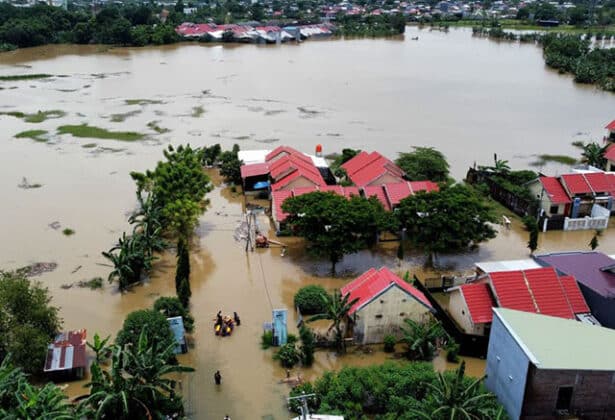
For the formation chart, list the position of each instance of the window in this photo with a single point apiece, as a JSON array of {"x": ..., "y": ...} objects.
[
  {"x": 378, "y": 316},
  {"x": 564, "y": 398},
  {"x": 554, "y": 209},
  {"x": 402, "y": 314},
  {"x": 463, "y": 312},
  {"x": 381, "y": 300}
]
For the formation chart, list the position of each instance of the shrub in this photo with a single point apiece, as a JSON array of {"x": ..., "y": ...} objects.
[
  {"x": 156, "y": 326},
  {"x": 307, "y": 345},
  {"x": 309, "y": 301},
  {"x": 452, "y": 354},
  {"x": 266, "y": 339},
  {"x": 171, "y": 307},
  {"x": 288, "y": 355},
  {"x": 389, "y": 343}
]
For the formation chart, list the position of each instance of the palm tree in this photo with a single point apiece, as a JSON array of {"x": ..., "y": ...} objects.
[
  {"x": 131, "y": 260},
  {"x": 337, "y": 308},
  {"x": 100, "y": 348},
  {"x": 593, "y": 154},
  {"x": 501, "y": 167},
  {"x": 147, "y": 222},
  {"x": 455, "y": 397},
  {"x": 421, "y": 339},
  {"x": 136, "y": 386}
]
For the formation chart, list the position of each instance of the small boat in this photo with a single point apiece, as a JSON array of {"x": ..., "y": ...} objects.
[{"x": 415, "y": 38}]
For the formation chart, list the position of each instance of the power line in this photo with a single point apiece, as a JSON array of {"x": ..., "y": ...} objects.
[{"x": 260, "y": 261}]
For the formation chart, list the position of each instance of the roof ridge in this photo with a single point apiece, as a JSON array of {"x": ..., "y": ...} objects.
[
  {"x": 565, "y": 293},
  {"x": 527, "y": 284},
  {"x": 588, "y": 183}
]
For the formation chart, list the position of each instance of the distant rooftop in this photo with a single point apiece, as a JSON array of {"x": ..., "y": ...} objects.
[
  {"x": 258, "y": 156},
  {"x": 558, "y": 343}
]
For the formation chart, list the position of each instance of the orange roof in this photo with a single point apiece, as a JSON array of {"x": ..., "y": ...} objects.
[
  {"x": 557, "y": 194},
  {"x": 573, "y": 292},
  {"x": 511, "y": 291},
  {"x": 548, "y": 292}
]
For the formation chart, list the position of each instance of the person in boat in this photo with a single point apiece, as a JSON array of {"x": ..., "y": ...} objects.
[
  {"x": 219, "y": 318},
  {"x": 237, "y": 320}
]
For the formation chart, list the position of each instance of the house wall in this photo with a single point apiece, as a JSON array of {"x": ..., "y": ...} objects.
[
  {"x": 610, "y": 165},
  {"x": 298, "y": 182},
  {"x": 593, "y": 395},
  {"x": 507, "y": 368},
  {"x": 394, "y": 306},
  {"x": 603, "y": 308},
  {"x": 458, "y": 309}
]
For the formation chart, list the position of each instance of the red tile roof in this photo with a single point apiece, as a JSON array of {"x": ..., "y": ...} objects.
[
  {"x": 610, "y": 152},
  {"x": 277, "y": 198},
  {"x": 611, "y": 125},
  {"x": 378, "y": 192},
  {"x": 372, "y": 284},
  {"x": 598, "y": 182},
  {"x": 479, "y": 301},
  {"x": 365, "y": 167},
  {"x": 254, "y": 169},
  {"x": 287, "y": 151},
  {"x": 66, "y": 352},
  {"x": 397, "y": 191},
  {"x": 288, "y": 168},
  {"x": 350, "y": 191},
  {"x": 576, "y": 184},
  {"x": 575, "y": 297},
  {"x": 427, "y": 186},
  {"x": 557, "y": 194},
  {"x": 548, "y": 292},
  {"x": 511, "y": 291}
]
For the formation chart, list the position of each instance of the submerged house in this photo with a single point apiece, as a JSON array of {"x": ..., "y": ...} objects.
[
  {"x": 595, "y": 273},
  {"x": 66, "y": 355},
  {"x": 538, "y": 290},
  {"x": 385, "y": 301},
  {"x": 544, "y": 367}
]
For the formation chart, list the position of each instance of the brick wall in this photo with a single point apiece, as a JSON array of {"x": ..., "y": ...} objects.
[{"x": 593, "y": 395}]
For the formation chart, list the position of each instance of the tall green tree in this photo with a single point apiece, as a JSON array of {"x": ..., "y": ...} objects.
[
  {"x": 451, "y": 219},
  {"x": 335, "y": 226},
  {"x": 182, "y": 273},
  {"x": 593, "y": 244},
  {"x": 531, "y": 225},
  {"x": 230, "y": 165},
  {"x": 147, "y": 221},
  {"x": 179, "y": 185},
  {"x": 337, "y": 308},
  {"x": 153, "y": 323},
  {"x": 424, "y": 163},
  {"x": 28, "y": 321}
]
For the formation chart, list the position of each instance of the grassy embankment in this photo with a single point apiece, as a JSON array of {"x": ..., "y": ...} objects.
[{"x": 87, "y": 131}]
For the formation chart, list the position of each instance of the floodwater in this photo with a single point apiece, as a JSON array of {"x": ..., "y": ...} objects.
[{"x": 467, "y": 97}]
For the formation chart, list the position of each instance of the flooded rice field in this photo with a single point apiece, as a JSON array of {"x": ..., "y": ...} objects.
[{"x": 467, "y": 97}]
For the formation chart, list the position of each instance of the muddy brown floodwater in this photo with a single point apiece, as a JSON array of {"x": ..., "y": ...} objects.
[{"x": 467, "y": 97}]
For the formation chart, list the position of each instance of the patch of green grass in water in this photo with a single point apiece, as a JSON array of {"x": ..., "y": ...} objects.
[
  {"x": 563, "y": 159},
  {"x": 197, "y": 111},
  {"x": 25, "y": 77},
  {"x": 36, "y": 135},
  {"x": 154, "y": 126},
  {"x": 142, "y": 101},
  {"x": 89, "y": 145},
  {"x": 94, "y": 283},
  {"x": 578, "y": 144},
  {"x": 122, "y": 117},
  {"x": 68, "y": 232},
  {"x": 41, "y": 116},
  {"x": 88, "y": 131}
]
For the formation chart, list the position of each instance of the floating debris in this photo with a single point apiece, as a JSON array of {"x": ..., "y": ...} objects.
[
  {"x": 26, "y": 185},
  {"x": 39, "y": 268}
]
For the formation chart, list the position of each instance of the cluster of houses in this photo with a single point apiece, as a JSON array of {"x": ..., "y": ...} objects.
[
  {"x": 285, "y": 172},
  {"x": 253, "y": 33}
]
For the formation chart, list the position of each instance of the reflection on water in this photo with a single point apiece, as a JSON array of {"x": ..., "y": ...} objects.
[{"x": 468, "y": 97}]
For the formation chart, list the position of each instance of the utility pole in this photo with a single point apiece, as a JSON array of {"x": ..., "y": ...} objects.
[
  {"x": 249, "y": 234},
  {"x": 305, "y": 412}
]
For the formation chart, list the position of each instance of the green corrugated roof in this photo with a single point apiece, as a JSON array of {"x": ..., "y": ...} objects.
[{"x": 558, "y": 343}]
